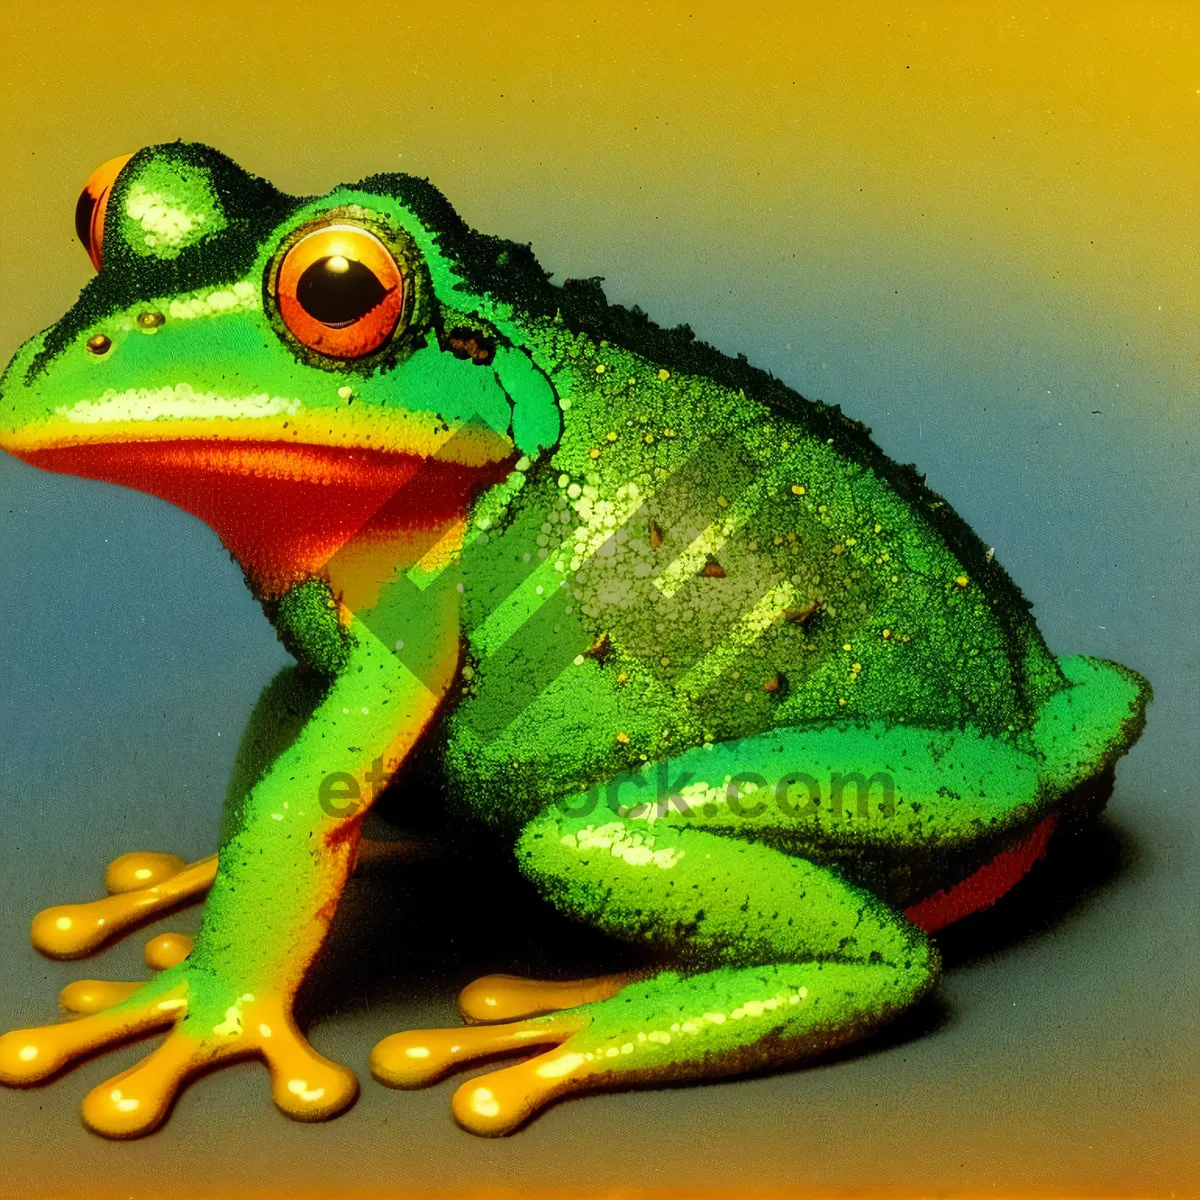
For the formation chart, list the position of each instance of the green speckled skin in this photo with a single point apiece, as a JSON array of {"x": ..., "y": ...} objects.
[{"x": 691, "y": 585}]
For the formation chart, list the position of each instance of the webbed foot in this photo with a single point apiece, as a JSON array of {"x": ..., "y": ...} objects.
[{"x": 210, "y": 1022}]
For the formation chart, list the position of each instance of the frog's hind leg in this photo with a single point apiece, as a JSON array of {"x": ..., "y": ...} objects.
[{"x": 779, "y": 959}]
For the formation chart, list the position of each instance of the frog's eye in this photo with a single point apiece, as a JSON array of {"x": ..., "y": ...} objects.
[
  {"x": 340, "y": 291},
  {"x": 93, "y": 204}
]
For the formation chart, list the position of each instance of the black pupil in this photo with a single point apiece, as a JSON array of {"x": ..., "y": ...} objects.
[
  {"x": 83, "y": 218},
  {"x": 338, "y": 291}
]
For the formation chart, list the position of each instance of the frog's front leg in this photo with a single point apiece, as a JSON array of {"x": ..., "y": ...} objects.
[
  {"x": 284, "y": 858},
  {"x": 781, "y": 959}
]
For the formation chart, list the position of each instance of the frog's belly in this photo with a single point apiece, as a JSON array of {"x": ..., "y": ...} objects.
[{"x": 985, "y": 886}]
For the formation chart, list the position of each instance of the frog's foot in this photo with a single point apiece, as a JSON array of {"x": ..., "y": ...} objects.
[
  {"x": 722, "y": 1022},
  {"x": 209, "y": 1024},
  {"x": 507, "y": 997},
  {"x": 141, "y": 886},
  {"x": 422, "y": 1056},
  {"x": 86, "y": 996}
]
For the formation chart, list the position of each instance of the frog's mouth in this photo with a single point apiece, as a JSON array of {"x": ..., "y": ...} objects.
[{"x": 284, "y": 509}]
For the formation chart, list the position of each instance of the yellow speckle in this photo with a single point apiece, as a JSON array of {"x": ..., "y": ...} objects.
[
  {"x": 722, "y": 502},
  {"x": 666, "y": 662},
  {"x": 664, "y": 374},
  {"x": 846, "y": 646},
  {"x": 837, "y": 549},
  {"x": 345, "y": 392},
  {"x": 600, "y": 369},
  {"x": 887, "y": 633},
  {"x": 623, "y": 677},
  {"x": 798, "y": 489},
  {"x": 561, "y": 1066},
  {"x": 878, "y": 527},
  {"x": 649, "y": 439},
  {"x": 842, "y": 700},
  {"x": 622, "y": 736},
  {"x": 961, "y": 580},
  {"x": 593, "y": 453},
  {"x": 856, "y": 666},
  {"x": 612, "y": 437}
]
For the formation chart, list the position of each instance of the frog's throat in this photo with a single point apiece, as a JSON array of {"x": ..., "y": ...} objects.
[{"x": 283, "y": 510}]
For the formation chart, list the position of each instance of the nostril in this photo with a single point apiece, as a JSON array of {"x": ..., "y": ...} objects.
[{"x": 99, "y": 344}]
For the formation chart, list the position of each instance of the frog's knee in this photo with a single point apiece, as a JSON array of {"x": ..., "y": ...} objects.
[{"x": 1084, "y": 728}]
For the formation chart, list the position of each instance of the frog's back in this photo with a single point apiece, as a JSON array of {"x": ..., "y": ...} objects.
[{"x": 707, "y": 556}]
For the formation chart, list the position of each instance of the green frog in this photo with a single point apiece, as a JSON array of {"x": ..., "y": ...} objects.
[{"x": 733, "y": 686}]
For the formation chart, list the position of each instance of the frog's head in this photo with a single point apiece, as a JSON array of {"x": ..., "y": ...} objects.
[{"x": 294, "y": 371}]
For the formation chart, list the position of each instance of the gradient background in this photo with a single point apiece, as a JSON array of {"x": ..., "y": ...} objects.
[{"x": 974, "y": 226}]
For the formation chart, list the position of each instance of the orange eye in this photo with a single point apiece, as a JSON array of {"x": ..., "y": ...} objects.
[
  {"x": 93, "y": 204},
  {"x": 340, "y": 291}
]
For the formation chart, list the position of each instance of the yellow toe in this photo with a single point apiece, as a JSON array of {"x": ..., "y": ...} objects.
[
  {"x": 140, "y": 869},
  {"x": 168, "y": 950},
  {"x": 94, "y": 995}
]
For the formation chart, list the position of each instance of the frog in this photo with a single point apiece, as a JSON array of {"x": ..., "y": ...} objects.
[{"x": 731, "y": 686}]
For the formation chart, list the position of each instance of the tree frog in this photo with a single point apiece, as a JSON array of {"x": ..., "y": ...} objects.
[{"x": 733, "y": 686}]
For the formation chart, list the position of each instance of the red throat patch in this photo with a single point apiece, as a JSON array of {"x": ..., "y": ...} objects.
[{"x": 282, "y": 510}]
